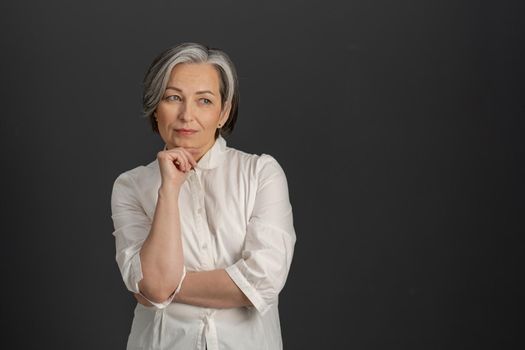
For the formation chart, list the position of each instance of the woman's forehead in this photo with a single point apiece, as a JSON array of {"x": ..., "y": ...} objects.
[{"x": 194, "y": 77}]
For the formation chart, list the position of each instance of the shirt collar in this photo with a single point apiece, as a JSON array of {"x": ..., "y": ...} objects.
[{"x": 214, "y": 156}]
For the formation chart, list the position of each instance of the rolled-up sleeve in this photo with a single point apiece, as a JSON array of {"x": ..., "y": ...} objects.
[
  {"x": 132, "y": 227},
  {"x": 270, "y": 238}
]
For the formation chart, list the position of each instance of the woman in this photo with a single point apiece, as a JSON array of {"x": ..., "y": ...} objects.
[{"x": 204, "y": 234}]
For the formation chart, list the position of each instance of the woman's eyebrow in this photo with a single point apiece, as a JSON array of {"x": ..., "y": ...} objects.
[
  {"x": 197, "y": 93},
  {"x": 205, "y": 92}
]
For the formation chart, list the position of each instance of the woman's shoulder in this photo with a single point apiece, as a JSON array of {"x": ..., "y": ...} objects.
[
  {"x": 256, "y": 163},
  {"x": 137, "y": 174}
]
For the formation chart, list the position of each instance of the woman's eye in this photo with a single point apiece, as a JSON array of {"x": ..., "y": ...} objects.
[
  {"x": 172, "y": 98},
  {"x": 206, "y": 101}
]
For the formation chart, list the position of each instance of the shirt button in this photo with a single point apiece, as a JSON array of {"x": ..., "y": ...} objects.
[
  {"x": 199, "y": 210},
  {"x": 204, "y": 246}
]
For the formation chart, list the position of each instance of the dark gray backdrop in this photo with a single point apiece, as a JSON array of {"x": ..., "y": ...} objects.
[{"x": 399, "y": 125}]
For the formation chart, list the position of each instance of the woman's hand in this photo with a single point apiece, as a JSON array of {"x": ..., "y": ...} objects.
[
  {"x": 174, "y": 165},
  {"x": 142, "y": 300}
]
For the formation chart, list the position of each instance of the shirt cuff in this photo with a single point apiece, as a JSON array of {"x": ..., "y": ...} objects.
[{"x": 236, "y": 273}]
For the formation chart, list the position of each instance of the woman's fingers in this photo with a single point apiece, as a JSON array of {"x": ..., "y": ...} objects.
[
  {"x": 190, "y": 158},
  {"x": 174, "y": 166},
  {"x": 180, "y": 159},
  {"x": 183, "y": 158}
]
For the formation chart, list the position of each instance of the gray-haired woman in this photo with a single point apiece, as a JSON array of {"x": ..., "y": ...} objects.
[{"x": 204, "y": 233}]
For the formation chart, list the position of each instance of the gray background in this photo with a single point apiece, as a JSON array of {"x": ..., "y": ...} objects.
[{"x": 399, "y": 125}]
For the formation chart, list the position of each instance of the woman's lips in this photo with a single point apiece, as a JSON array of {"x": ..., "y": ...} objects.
[{"x": 185, "y": 132}]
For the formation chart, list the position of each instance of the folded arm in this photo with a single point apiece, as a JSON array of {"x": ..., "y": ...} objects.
[
  {"x": 213, "y": 289},
  {"x": 149, "y": 253},
  {"x": 161, "y": 254}
]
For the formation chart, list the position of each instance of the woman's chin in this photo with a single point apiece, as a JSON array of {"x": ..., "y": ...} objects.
[
  {"x": 178, "y": 142},
  {"x": 188, "y": 145}
]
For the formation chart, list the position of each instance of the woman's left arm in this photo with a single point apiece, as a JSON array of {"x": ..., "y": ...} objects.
[{"x": 214, "y": 289}]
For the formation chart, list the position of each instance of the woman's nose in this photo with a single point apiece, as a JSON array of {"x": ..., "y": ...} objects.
[{"x": 186, "y": 112}]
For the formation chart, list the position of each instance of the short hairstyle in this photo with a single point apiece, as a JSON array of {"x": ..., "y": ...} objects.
[{"x": 157, "y": 77}]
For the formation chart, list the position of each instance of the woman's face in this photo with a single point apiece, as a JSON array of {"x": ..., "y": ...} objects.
[{"x": 190, "y": 110}]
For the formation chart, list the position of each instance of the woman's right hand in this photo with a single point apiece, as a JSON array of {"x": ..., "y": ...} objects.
[{"x": 174, "y": 166}]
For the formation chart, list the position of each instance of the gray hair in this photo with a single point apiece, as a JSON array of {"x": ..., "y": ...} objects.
[{"x": 160, "y": 69}]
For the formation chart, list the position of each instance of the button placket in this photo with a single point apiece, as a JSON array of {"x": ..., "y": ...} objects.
[{"x": 198, "y": 202}]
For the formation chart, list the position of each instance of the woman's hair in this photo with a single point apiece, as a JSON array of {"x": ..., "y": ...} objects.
[{"x": 159, "y": 71}]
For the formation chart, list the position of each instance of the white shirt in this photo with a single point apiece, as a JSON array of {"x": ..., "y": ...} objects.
[{"x": 235, "y": 215}]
